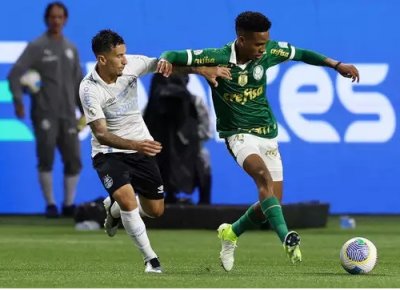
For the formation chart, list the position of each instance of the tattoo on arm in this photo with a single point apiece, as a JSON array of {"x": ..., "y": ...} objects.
[{"x": 99, "y": 129}]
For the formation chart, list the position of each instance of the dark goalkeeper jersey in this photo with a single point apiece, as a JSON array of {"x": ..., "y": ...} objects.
[
  {"x": 57, "y": 62},
  {"x": 240, "y": 104}
]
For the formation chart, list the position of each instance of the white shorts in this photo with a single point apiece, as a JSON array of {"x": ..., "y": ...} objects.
[{"x": 243, "y": 145}]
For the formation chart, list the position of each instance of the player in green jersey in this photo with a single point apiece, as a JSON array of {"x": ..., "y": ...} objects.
[{"x": 246, "y": 121}]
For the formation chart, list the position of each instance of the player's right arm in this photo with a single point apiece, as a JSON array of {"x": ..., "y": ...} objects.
[
  {"x": 24, "y": 62},
  {"x": 95, "y": 118},
  {"x": 100, "y": 131}
]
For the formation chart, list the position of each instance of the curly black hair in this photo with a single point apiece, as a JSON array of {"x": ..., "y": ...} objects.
[
  {"x": 51, "y": 5},
  {"x": 250, "y": 21},
  {"x": 105, "y": 40}
]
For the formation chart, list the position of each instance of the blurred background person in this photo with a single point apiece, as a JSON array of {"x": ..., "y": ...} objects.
[
  {"x": 180, "y": 121},
  {"x": 53, "y": 105}
]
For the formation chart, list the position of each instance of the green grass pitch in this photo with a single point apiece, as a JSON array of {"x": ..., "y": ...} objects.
[{"x": 35, "y": 252}]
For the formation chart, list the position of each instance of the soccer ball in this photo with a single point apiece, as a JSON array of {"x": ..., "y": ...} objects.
[
  {"x": 31, "y": 81},
  {"x": 358, "y": 256}
]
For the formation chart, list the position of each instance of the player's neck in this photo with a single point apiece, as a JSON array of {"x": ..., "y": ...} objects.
[
  {"x": 240, "y": 58},
  {"x": 105, "y": 76},
  {"x": 55, "y": 34}
]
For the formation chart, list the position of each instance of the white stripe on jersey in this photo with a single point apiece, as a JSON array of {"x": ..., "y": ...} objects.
[
  {"x": 292, "y": 52},
  {"x": 189, "y": 53}
]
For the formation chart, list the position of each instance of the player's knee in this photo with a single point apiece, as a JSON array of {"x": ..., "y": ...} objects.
[
  {"x": 45, "y": 166},
  {"x": 261, "y": 175},
  {"x": 156, "y": 212},
  {"x": 72, "y": 168}
]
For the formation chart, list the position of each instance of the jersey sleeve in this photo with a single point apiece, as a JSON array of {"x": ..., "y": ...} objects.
[
  {"x": 278, "y": 52},
  {"x": 24, "y": 62},
  {"x": 91, "y": 101},
  {"x": 140, "y": 65},
  {"x": 199, "y": 57},
  {"x": 78, "y": 76},
  {"x": 310, "y": 57}
]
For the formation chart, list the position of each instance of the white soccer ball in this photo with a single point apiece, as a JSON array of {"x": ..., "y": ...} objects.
[
  {"x": 31, "y": 81},
  {"x": 358, "y": 256}
]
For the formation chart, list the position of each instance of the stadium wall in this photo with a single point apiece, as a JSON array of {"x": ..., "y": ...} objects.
[{"x": 339, "y": 141}]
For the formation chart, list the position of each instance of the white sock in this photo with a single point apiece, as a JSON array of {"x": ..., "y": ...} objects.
[
  {"x": 136, "y": 229},
  {"x": 115, "y": 209},
  {"x": 46, "y": 183},
  {"x": 70, "y": 183}
]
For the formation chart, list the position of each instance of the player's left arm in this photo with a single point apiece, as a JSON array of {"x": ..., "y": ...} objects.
[{"x": 314, "y": 58}]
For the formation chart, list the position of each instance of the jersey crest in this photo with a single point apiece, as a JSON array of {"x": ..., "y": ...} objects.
[
  {"x": 258, "y": 72},
  {"x": 243, "y": 78}
]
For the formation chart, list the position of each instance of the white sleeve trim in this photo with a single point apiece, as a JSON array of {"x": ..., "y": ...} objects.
[
  {"x": 293, "y": 52},
  {"x": 190, "y": 59}
]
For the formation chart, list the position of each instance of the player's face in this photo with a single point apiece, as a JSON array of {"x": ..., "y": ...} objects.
[
  {"x": 56, "y": 19},
  {"x": 252, "y": 44},
  {"x": 115, "y": 60}
]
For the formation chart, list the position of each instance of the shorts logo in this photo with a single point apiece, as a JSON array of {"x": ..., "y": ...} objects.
[
  {"x": 273, "y": 153},
  {"x": 107, "y": 181},
  {"x": 258, "y": 72},
  {"x": 160, "y": 189}
]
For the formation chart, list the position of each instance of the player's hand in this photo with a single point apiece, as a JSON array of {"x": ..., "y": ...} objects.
[
  {"x": 147, "y": 147},
  {"x": 349, "y": 71},
  {"x": 211, "y": 73},
  {"x": 19, "y": 110},
  {"x": 164, "y": 67},
  {"x": 81, "y": 123}
]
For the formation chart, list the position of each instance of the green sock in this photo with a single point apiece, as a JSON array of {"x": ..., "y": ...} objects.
[
  {"x": 247, "y": 221},
  {"x": 273, "y": 212}
]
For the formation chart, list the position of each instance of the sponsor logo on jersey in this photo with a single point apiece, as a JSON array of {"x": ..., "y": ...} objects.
[
  {"x": 283, "y": 44},
  {"x": 197, "y": 52},
  {"x": 107, "y": 181},
  {"x": 279, "y": 52},
  {"x": 50, "y": 58},
  {"x": 132, "y": 82},
  {"x": 69, "y": 53},
  {"x": 258, "y": 72},
  {"x": 111, "y": 100},
  {"x": 204, "y": 60},
  {"x": 45, "y": 124},
  {"x": 248, "y": 94}
]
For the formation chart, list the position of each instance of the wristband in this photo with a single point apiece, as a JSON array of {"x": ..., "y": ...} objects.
[{"x": 337, "y": 65}]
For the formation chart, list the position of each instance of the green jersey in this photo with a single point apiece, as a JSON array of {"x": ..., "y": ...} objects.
[{"x": 240, "y": 104}]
